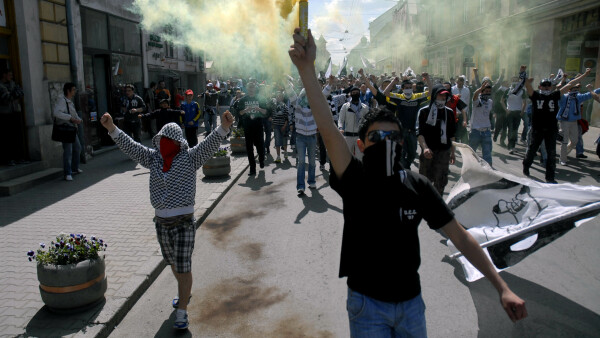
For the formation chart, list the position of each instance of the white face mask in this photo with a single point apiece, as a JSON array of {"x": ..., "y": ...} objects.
[
  {"x": 408, "y": 92},
  {"x": 440, "y": 103}
]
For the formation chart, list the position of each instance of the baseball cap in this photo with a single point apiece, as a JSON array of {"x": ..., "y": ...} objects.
[
  {"x": 209, "y": 85},
  {"x": 189, "y": 92},
  {"x": 545, "y": 83},
  {"x": 164, "y": 100}
]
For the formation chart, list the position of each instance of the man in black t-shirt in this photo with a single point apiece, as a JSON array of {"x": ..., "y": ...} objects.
[
  {"x": 383, "y": 205},
  {"x": 544, "y": 127},
  {"x": 252, "y": 110},
  {"x": 132, "y": 106}
]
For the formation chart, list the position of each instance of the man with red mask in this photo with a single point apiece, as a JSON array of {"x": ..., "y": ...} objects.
[{"x": 173, "y": 167}]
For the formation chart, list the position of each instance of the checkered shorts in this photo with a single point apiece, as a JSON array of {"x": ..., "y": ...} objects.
[{"x": 176, "y": 239}]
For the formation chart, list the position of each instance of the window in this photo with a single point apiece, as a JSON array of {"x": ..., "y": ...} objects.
[
  {"x": 169, "y": 49},
  {"x": 124, "y": 36},
  {"x": 188, "y": 55},
  {"x": 95, "y": 29},
  {"x": 465, "y": 12}
]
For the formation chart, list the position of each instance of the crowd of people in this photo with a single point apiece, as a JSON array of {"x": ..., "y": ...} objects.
[{"x": 368, "y": 129}]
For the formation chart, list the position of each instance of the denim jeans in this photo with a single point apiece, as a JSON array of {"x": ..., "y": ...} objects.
[
  {"x": 210, "y": 120},
  {"x": 483, "y": 138},
  {"x": 579, "y": 148},
  {"x": 71, "y": 152},
  {"x": 306, "y": 145},
  {"x": 373, "y": 318}
]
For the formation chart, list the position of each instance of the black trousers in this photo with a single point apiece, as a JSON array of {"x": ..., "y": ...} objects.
[
  {"x": 549, "y": 138},
  {"x": 255, "y": 138},
  {"x": 132, "y": 129},
  {"x": 191, "y": 136},
  {"x": 322, "y": 150}
]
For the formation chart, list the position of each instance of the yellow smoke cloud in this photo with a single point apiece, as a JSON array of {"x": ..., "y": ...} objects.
[{"x": 243, "y": 37}]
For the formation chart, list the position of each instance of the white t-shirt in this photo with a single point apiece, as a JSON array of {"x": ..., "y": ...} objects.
[{"x": 515, "y": 102}]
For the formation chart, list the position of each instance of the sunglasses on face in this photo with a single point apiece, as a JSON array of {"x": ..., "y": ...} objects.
[{"x": 379, "y": 135}]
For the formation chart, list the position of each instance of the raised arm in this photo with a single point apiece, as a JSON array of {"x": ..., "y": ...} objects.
[
  {"x": 137, "y": 152},
  {"x": 575, "y": 81},
  {"x": 303, "y": 54},
  {"x": 529, "y": 87}
]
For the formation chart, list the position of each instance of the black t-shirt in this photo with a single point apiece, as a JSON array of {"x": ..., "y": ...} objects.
[
  {"x": 211, "y": 98},
  {"x": 135, "y": 102},
  {"x": 432, "y": 134},
  {"x": 252, "y": 118},
  {"x": 544, "y": 109},
  {"x": 380, "y": 243}
]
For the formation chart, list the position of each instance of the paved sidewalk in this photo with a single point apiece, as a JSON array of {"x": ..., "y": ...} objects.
[{"x": 109, "y": 200}]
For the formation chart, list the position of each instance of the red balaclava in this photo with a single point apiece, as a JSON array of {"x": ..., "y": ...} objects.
[{"x": 168, "y": 150}]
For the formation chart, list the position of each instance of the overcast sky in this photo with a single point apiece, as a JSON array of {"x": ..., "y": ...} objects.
[{"x": 333, "y": 18}]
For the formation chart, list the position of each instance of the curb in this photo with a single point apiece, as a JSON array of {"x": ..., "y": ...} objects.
[{"x": 130, "y": 293}]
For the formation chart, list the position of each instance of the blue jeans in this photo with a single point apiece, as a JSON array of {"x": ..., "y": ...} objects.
[
  {"x": 306, "y": 144},
  {"x": 71, "y": 153},
  {"x": 579, "y": 148},
  {"x": 483, "y": 138},
  {"x": 373, "y": 318},
  {"x": 210, "y": 120}
]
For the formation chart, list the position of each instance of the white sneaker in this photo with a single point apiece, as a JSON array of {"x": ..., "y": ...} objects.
[
  {"x": 312, "y": 186},
  {"x": 300, "y": 192},
  {"x": 181, "y": 320},
  {"x": 563, "y": 163},
  {"x": 68, "y": 178}
]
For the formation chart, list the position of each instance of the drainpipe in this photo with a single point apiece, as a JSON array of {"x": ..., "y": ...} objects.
[
  {"x": 74, "y": 77},
  {"x": 71, "y": 37}
]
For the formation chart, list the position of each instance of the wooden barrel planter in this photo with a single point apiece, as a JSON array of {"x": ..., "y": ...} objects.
[
  {"x": 238, "y": 145},
  {"x": 72, "y": 286},
  {"x": 217, "y": 166}
]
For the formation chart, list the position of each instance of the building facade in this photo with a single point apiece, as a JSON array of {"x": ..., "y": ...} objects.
[
  {"x": 504, "y": 34},
  {"x": 99, "y": 46}
]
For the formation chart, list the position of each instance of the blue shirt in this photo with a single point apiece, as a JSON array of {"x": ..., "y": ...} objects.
[
  {"x": 574, "y": 107},
  {"x": 192, "y": 113},
  {"x": 366, "y": 98}
]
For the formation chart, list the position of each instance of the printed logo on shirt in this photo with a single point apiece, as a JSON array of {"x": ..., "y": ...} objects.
[{"x": 409, "y": 214}]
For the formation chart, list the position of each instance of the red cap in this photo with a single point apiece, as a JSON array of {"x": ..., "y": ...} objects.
[
  {"x": 444, "y": 92},
  {"x": 189, "y": 92}
]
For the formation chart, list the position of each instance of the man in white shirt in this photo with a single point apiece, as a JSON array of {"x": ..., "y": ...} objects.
[{"x": 465, "y": 96}]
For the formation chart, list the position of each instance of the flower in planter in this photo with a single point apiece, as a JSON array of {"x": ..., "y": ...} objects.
[
  {"x": 68, "y": 249},
  {"x": 238, "y": 132},
  {"x": 221, "y": 152}
]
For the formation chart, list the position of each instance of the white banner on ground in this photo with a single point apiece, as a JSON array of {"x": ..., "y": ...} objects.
[{"x": 511, "y": 216}]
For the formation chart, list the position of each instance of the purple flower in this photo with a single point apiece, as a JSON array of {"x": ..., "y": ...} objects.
[
  {"x": 101, "y": 241},
  {"x": 72, "y": 235},
  {"x": 93, "y": 238},
  {"x": 30, "y": 253},
  {"x": 57, "y": 245},
  {"x": 29, "y": 258},
  {"x": 43, "y": 245}
]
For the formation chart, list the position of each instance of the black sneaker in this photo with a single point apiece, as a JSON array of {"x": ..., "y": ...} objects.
[
  {"x": 581, "y": 156},
  {"x": 526, "y": 171},
  {"x": 262, "y": 165},
  {"x": 300, "y": 192},
  {"x": 252, "y": 172},
  {"x": 552, "y": 181}
]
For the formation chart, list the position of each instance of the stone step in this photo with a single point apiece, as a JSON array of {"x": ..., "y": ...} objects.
[
  {"x": 8, "y": 173},
  {"x": 18, "y": 184}
]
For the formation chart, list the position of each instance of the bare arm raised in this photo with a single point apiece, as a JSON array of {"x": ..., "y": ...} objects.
[{"x": 303, "y": 53}]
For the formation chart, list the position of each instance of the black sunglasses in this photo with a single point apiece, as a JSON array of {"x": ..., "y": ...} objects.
[{"x": 379, "y": 135}]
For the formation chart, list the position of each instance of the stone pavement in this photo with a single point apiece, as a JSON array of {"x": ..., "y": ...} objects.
[{"x": 109, "y": 200}]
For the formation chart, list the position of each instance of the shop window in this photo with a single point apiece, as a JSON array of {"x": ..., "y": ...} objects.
[
  {"x": 124, "y": 36},
  {"x": 95, "y": 30}
]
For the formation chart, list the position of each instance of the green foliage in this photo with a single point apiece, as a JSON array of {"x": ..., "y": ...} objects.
[
  {"x": 221, "y": 152},
  {"x": 68, "y": 249},
  {"x": 238, "y": 132}
]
